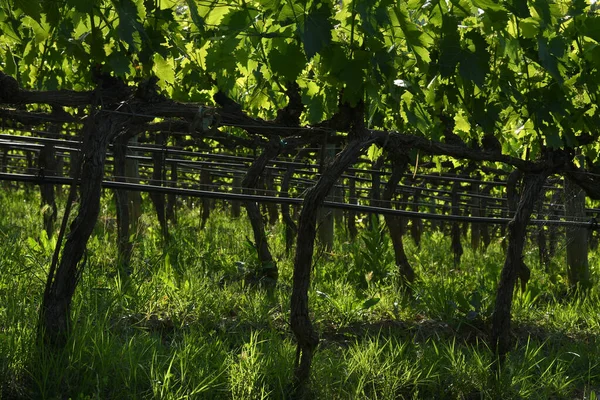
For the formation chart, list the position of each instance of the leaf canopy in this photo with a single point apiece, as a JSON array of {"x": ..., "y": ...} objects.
[{"x": 491, "y": 66}]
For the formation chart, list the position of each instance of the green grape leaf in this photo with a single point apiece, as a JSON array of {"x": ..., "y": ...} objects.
[
  {"x": 32, "y": 8},
  {"x": 288, "y": 62},
  {"x": 577, "y": 7},
  {"x": 519, "y": 8},
  {"x": 450, "y": 49},
  {"x": 569, "y": 137},
  {"x": 236, "y": 20},
  {"x": 51, "y": 82},
  {"x": 529, "y": 28},
  {"x": 51, "y": 12},
  {"x": 461, "y": 123},
  {"x": 353, "y": 76},
  {"x": 557, "y": 46},
  {"x": 119, "y": 63},
  {"x": 128, "y": 21},
  {"x": 488, "y": 5},
  {"x": 475, "y": 65},
  {"x": 10, "y": 66},
  {"x": 436, "y": 10},
  {"x": 164, "y": 69},
  {"x": 213, "y": 15},
  {"x": 220, "y": 56},
  {"x": 414, "y": 113},
  {"x": 289, "y": 12},
  {"x": 196, "y": 18},
  {"x": 591, "y": 28},
  {"x": 485, "y": 115},
  {"x": 548, "y": 60},
  {"x": 315, "y": 29},
  {"x": 374, "y": 152},
  {"x": 543, "y": 9},
  {"x": 415, "y": 39},
  {"x": 592, "y": 53},
  {"x": 552, "y": 137},
  {"x": 315, "y": 104},
  {"x": 82, "y": 6},
  {"x": 511, "y": 49},
  {"x": 222, "y": 59}
]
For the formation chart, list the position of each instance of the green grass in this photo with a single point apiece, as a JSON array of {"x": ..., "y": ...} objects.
[{"x": 185, "y": 325}]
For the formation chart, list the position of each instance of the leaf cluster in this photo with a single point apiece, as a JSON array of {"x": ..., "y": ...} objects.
[{"x": 524, "y": 72}]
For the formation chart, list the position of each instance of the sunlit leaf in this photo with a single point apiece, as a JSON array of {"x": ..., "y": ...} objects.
[
  {"x": 374, "y": 152},
  {"x": 129, "y": 22},
  {"x": 10, "y": 67},
  {"x": 164, "y": 69},
  {"x": 196, "y": 18}
]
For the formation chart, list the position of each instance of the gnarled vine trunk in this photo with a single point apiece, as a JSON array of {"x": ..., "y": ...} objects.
[
  {"x": 124, "y": 245},
  {"x": 305, "y": 334},
  {"x": 457, "y": 248},
  {"x": 351, "y": 215},
  {"x": 267, "y": 263},
  {"x": 416, "y": 227},
  {"x": 290, "y": 225},
  {"x": 513, "y": 266},
  {"x": 158, "y": 177},
  {"x": 578, "y": 269},
  {"x": 206, "y": 202},
  {"x": 62, "y": 279},
  {"x": 475, "y": 212},
  {"x": 326, "y": 226},
  {"x": 47, "y": 165},
  {"x": 393, "y": 222}
]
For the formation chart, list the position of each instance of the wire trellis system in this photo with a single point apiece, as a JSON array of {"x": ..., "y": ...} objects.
[{"x": 288, "y": 200}]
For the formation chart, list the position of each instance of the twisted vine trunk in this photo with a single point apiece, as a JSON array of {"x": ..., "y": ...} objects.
[
  {"x": 394, "y": 223},
  {"x": 47, "y": 164},
  {"x": 124, "y": 245},
  {"x": 375, "y": 192},
  {"x": 305, "y": 334},
  {"x": 172, "y": 198},
  {"x": 158, "y": 177},
  {"x": 326, "y": 228},
  {"x": 271, "y": 207},
  {"x": 484, "y": 229},
  {"x": 290, "y": 225},
  {"x": 475, "y": 212},
  {"x": 541, "y": 234},
  {"x": 268, "y": 265},
  {"x": 457, "y": 248},
  {"x": 62, "y": 279},
  {"x": 351, "y": 215},
  {"x": 416, "y": 228},
  {"x": 578, "y": 269},
  {"x": 512, "y": 269},
  {"x": 235, "y": 204}
]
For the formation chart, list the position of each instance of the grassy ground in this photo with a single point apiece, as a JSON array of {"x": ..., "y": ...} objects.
[{"x": 186, "y": 325}]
